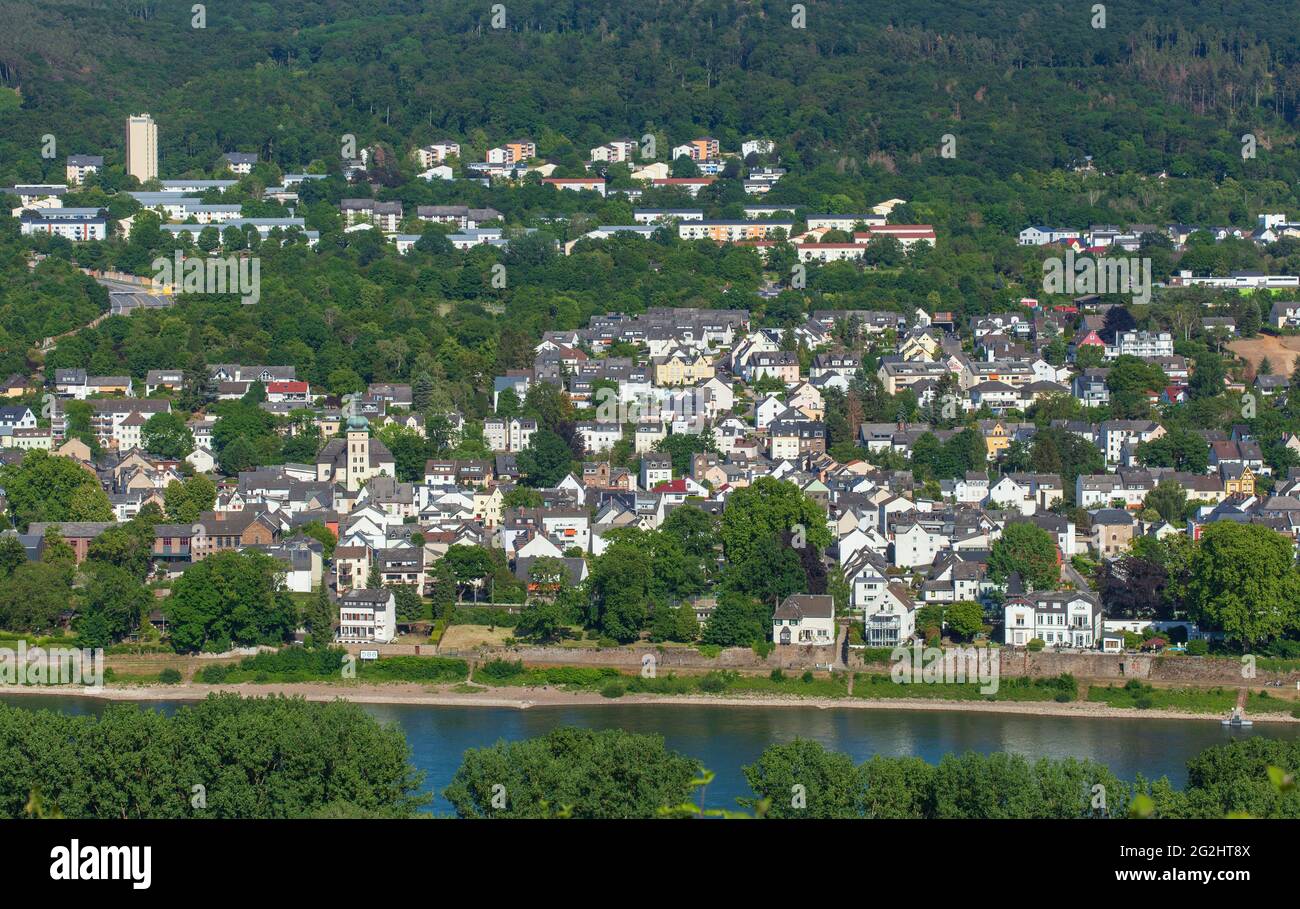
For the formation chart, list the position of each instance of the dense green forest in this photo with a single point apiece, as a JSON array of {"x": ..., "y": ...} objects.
[
  {"x": 287, "y": 78},
  {"x": 864, "y": 90}
]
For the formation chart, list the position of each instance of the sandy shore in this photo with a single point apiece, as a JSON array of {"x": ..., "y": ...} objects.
[{"x": 527, "y": 698}]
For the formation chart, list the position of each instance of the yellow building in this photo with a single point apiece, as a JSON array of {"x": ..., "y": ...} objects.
[
  {"x": 1238, "y": 483},
  {"x": 681, "y": 368},
  {"x": 996, "y": 437}
]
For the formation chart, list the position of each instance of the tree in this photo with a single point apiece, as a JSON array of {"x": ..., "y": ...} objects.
[
  {"x": 34, "y": 596},
  {"x": 319, "y": 618},
  {"x": 694, "y": 529},
  {"x": 764, "y": 511},
  {"x": 237, "y": 456},
  {"x": 1169, "y": 499},
  {"x": 542, "y": 620},
  {"x": 165, "y": 434},
  {"x": 965, "y": 619},
  {"x": 522, "y": 497},
  {"x": 801, "y": 779},
  {"x": 443, "y": 589},
  {"x": 682, "y": 447},
  {"x": 1132, "y": 587},
  {"x": 188, "y": 499},
  {"x": 1244, "y": 581},
  {"x": 410, "y": 451},
  {"x": 738, "y": 621},
  {"x": 547, "y": 575},
  {"x": 549, "y": 404},
  {"x": 408, "y": 604},
  {"x": 546, "y": 461},
  {"x": 259, "y": 758},
  {"x": 127, "y": 546},
  {"x": 472, "y": 565},
  {"x": 1180, "y": 448},
  {"x": 230, "y": 598},
  {"x": 619, "y": 584},
  {"x": 773, "y": 569},
  {"x": 318, "y": 531},
  {"x": 116, "y": 602},
  {"x": 580, "y": 773},
  {"x": 1029, "y": 551},
  {"x": 1130, "y": 381},
  {"x": 1207, "y": 377},
  {"x": 674, "y": 623},
  {"x": 45, "y": 487},
  {"x": 12, "y": 554}
]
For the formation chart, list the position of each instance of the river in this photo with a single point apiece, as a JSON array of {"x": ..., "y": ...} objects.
[{"x": 726, "y": 737}]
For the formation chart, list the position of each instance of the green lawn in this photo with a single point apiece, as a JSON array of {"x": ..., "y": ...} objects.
[{"x": 1190, "y": 700}]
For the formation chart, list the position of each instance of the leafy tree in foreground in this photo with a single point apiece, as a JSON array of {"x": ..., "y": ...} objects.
[
  {"x": 33, "y": 596},
  {"x": 803, "y": 779},
  {"x": 255, "y": 757},
  {"x": 579, "y": 773}
]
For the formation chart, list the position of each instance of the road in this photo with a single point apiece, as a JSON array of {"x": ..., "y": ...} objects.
[{"x": 1068, "y": 573}]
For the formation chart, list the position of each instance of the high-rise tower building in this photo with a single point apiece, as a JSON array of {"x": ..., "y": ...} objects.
[{"x": 142, "y": 147}]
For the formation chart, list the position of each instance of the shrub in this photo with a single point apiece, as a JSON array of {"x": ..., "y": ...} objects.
[
  {"x": 212, "y": 675},
  {"x": 777, "y": 675},
  {"x": 807, "y": 676},
  {"x": 713, "y": 682},
  {"x": 1035, "y": 645},
  {"x": 1198, "y": 647},
  {"x": 613, "y": 690},
  {"x": 169, "y": 676},
  {"x": 501, "y": 669}
]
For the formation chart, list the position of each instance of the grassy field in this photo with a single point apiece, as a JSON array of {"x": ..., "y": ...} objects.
[
  {"x": 467, "y": 637},
  {"x": 1190, "y": 700},
  {"x": 1014, "y": 689}
]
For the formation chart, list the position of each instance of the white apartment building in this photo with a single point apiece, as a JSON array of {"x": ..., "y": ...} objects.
[
  {"x": 1144, "y": 344},
  {"x": 367, "y": 617}
]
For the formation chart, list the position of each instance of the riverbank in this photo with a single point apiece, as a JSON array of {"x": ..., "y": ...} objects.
[{"x": 528, "y": 698}]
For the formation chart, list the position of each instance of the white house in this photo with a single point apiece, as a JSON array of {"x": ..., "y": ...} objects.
[
  {"x": 807, "y": 619},
  {"x": 1064, "y": 618},
  {"x": 865, "y": 573},
  {"x": 894, "y": 620},
  {"x": 915, "y": 546}
]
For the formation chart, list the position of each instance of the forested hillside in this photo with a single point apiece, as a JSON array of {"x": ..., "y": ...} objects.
[
  {"x": 865, "y": 88},
  {"x": 858, "y": 103}
]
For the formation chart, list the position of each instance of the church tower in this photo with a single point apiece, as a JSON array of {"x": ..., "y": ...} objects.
[{"x": 358, "y": 465}]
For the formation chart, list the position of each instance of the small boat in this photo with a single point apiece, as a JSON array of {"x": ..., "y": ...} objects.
[{"x": 1237, "y": 720}]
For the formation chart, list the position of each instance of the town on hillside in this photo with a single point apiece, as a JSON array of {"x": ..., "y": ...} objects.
[{"x": 1030, "y": 477}]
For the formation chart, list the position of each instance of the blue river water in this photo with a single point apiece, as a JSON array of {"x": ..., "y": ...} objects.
[{"x": 725, "y": 738}]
